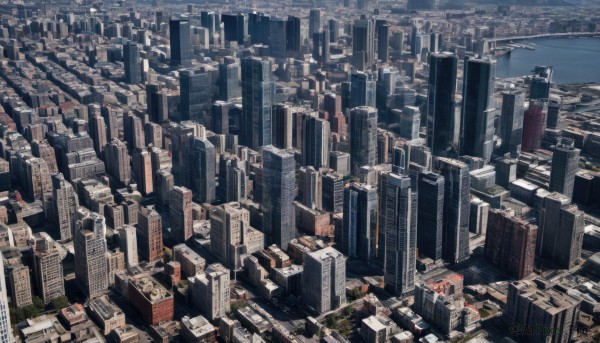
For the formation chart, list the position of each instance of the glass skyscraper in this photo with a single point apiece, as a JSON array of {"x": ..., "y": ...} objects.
[
  {"x": 258, "y": 90},
  {"x": 180, "y": 41}
]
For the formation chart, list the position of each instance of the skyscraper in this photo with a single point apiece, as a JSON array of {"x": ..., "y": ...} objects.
[
  {"x": 129, "y": 244},
  {"x": 398, "y": 213},
  {"x": 510, "y": 243},
  {"x": 202, "y": 162},
  {"x": 315, "y": 143},
  {"x": 363, "y": 138},
  {"x": 540, "y": 83},
  {"x": 180, "y": 213},
  {"x": 47, "y": 268},
  {"x": 511, "y": 122},
  {"x": 149, "y": 234},
  {"x": 455, "y": 233},
  {"x": 97, "y": 131},
  {"x": 282, "y": 126},
  {"x": 293, "y": 30},
  {"x": 132, "y": 63},
  {"x": 534, "y": 124},
  {"x": 232, "y": 238},
  {"x": 360, "y": 229},
  {"x": 363, "y": 43},
  {"x": 278, "y": 188},
  {"x": 363, "y": 91},
  {"x": 324, "y": 279},
  {"x": 258, "y": 91},
  {"x": 277, "y": 38},
  {"x": 314, "y": 21},
  {"x": 64, "y": 206},
  {"x": 441, "y": 106},
  {"x": 142, "y": 169},
  {"x": 229, "y": 81},
  {"x": 180, "y": 41},
  {"x": 383, "y": 38},
  {"x": 90, "y": 254},
  {"x": 477, "y": 123},
  {"x": 196, "y": 95},
  {"x": 430, "y": 222},
  {"x": 565, "y": 164},
  {"x": 5, "y": 327},
  {"x": 560, "y": 234},
  {"x": 118, "y": 161}
]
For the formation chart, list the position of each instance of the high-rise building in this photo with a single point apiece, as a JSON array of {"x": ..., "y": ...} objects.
[
  {"x": 202, "y": 162},
  {"x": 5, "y": 326},
  {"x": 231, "y": 236},
  {"x": 19, "y": 284},
  {"x": 360, "y": 229},
  {"x": 132, "y": 63},
  {"x": 310, "y": 188},
  {"x": 278, "y": 189},
  {"x": 363, "y": 91},
  {"x": 293, "y": 34},
  {"x": 511, "y": 123},
  {"x": 180, "y": 213},
  {"x": 455, "y": 232},
  {"x": 129, "y": 244},
  {"x": 510, "y": 243},
  {"x": 258, "y": 92},
  {"x": 560, "y": 232},
  {"x": 180, "y": 41},
  {"x": 565, "y": 164},
  {"x": 149, "y": 234},
  {"x": 277, "y": 38},
  {"x": 534, "y": 124},
  {"x": 554, "y": 105},
  {"x": 90, "y": 254},
  {"x": 229, "y": 81},
  {"x": 333, "y": 192},
  {"x": 441, "y": 104},
  {"x": 157, "y": 103},
  {"x": 540, "y": 83},
  {"x": 363, "y": 43},
  {"x": 314, "y": 21},
  {"x": 477, "y": 123},
  {"x": 430, "y": 218},
  {"x": 97, "y": 131},
  {"x": 196, "y": 95},
  {"x": 530, "y": 306},
  {"x": 211, "y": 292},
  {"x": 282, "y": 126},
  {"x": 383, "y": 39},
  {"x": 64, "y": 206},
  {"x": 142, "y": 169},
  {"x": 47, "y": 268},
  {"x": 324, "y": 279},
  {"x": 363, "y": 138},
  {"x": 386, "y": 86},
  {"x": 315, "y": 143},
  {"x": 398, "y": 221},
  {"x": 133, "y": 131},
  {"x": 117, "y": 161}
]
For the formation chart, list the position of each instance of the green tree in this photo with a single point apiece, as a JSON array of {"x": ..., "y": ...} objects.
[
  {"x": 168, "y": 257},
  {"x": 59, "y": 303},
  {"x": 348, "y": 311},
  {"x": 38, "y": 303}
]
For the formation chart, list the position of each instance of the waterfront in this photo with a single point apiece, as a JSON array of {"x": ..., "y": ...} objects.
[{"x": 575, "y": 60}]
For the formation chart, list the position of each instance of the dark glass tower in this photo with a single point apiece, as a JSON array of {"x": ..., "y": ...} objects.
[
  {"x": 132, "y": 63},
  {"x": 258, "y": 90},
  {"x": 293, "y": 29},
  {"x": 441, "y": 106},
  {"x": 477, "y": 124},
  {"x": 359, "y": 234},
  {"x": 511, "y": 123},
  {"x": 363, "y": 43},
  {"x": 431, "y": 215},
  {"x": 565, "y": 164},
  {"x": 383, "y": 38},
  {"x": 196, "y": 95},
  {"x": 181, "y": 45},
  {"x": 363, "y": 90},
  {"x": 279, "y": 182}
]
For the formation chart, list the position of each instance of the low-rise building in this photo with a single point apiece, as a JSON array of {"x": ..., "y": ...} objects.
[
  {"x": 153, "y": 301},
  {"x": 106, "y": 314}
]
